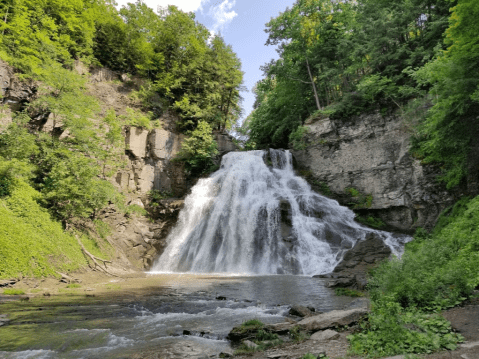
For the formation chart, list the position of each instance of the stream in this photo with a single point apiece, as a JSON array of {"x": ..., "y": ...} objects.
[{"x": 187, "y": 316}]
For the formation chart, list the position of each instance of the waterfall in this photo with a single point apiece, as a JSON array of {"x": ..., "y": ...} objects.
[{"x": 255, "y": 216}]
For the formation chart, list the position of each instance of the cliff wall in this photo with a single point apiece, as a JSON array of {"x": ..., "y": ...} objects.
[
  {"x": 370, "y": 154},
  {"x": 146, "y": 161}
]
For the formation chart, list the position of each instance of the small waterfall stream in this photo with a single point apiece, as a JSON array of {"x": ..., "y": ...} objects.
[{"x": 254, "y": 218}]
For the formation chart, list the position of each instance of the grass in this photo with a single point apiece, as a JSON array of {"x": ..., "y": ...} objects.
[
  {"x": 74, "y": 285},
  {"x": 348, "y": 292},
  {"x": 13, "y": 292},
  {"x": 32, "y": 243}
]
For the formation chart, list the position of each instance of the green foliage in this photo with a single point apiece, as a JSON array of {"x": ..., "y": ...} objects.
[
  {"x": 137, "y": 119},
  {"x": 296, "y": 138},
  {"x": 297, "y": 334},
  {"x": 13, "y": 292},
  {"x": 31, "y": 243},
  {"x": 437, "y": 271},
  {"x": 73, "y": 285},
  {"x": 348, "y": 292},
  {"x": 102, "y": 228},
  {"x": 358, "y": 199},
  {"x": 135, "y": 209},
  {"x": 313, "y": 356},
  {"x": 344, "y": 58},
  {"x": 371, "y": 221},
  {"x": 252, "y": 324},
  {"x": 391, "y": 330},
  {"x": 451, "y": 125},
  {"x": 198, "y": 149}
]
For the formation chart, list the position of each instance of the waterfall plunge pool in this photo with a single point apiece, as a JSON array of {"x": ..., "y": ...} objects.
[{"x": 161, "y": 316}]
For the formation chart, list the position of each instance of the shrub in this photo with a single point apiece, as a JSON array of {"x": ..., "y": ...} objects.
[{"x": 198, "y": 150}]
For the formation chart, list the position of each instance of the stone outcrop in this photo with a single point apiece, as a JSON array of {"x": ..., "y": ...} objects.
[
  {"x": 353, "y": 269},
  {"x": 139, "y": 240},
  {"x": 14, "y": 94},
  {"x": 370, "y": 153},
  {"x": 225, "y": 143}
]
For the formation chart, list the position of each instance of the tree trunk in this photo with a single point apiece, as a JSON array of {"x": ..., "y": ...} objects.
[
  {"x": 314, "y": 86},
  {"x": 6, "y": 16}
]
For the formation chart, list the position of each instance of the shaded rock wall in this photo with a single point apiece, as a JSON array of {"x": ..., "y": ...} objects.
[{"x": 370, "y": 153}]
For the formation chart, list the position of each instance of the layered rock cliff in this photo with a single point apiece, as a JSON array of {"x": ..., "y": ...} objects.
[{"x": 369, "y": 154}]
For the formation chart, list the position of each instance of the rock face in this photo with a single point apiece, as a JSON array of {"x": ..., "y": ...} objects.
[
  {"x": 225, "y": 143},
  {"x": 352, "y": 270},
  {"x": 14, "y": 94},
  {"x": 370, "y": 154},
  {"x": 140, "y": 240}
]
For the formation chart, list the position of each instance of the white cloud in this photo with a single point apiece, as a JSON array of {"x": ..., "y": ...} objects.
[
  {"x": 184, "y": 5},
  {"x": 222, "y": 14}
]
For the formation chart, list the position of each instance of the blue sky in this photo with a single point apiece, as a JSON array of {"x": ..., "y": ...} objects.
[{"x": 241, "y": 23}]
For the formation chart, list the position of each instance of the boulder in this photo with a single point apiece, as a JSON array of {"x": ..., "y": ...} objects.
[
  {"x": 353, "y": 268},
  {"x": 325, "y": 335},
  {"x": 336, "y": 318},
  {"x": 279, "y": 328},
  {"x": 3, "y": 320},
  {"x": 225, "y": 143},
  {"x": 249, "y": 344},
  {"x": 300, "y": 311}
]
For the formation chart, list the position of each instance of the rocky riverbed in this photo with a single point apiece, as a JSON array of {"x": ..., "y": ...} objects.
[{"x": 185, "y": 316}]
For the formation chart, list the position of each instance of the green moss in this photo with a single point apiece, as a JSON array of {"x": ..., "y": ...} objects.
[
  {"x": 348, "y": 292},
  {"x": 371, "y": 221},
  {"x": 13, "y": 292},
  {"x": 358, "y": 199},
  {"x": 74, "y": 285}
]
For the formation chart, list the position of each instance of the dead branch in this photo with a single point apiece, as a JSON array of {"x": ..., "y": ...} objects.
[{"x": 95, "y": 259}]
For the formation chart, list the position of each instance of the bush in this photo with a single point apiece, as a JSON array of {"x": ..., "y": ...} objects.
[
  {"x": 296, "y": 138},
  {"x": 437, "y": 271},
  {"x": 198, "y": 150}
]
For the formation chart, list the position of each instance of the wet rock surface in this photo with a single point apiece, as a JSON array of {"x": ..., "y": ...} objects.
[{"x": 353, "y": 269}]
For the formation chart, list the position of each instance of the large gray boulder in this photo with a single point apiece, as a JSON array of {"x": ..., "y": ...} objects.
[{"x": 336, "y": 318}]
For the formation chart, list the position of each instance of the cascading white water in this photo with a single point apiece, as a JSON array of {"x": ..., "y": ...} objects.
[{"x": 252, "y": 218}]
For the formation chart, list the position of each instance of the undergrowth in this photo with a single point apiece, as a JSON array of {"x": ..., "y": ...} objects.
[
  {"x": 31, "y": 242},
  {"x": 436, "y": 272},
  {"x": 348, "y": 292}
]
